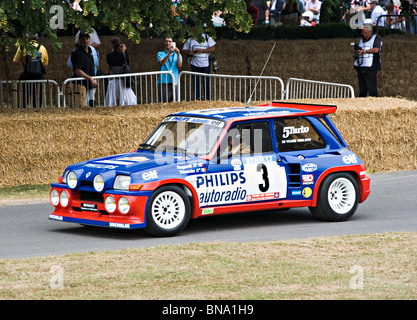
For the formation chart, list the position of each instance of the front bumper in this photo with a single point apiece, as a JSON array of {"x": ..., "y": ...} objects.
[{"x": 88, "y": 208}]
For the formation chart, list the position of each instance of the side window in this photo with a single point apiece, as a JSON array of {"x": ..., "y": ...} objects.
[
  {"x": 247, "y": 139},
  {"x": 297, "y": 134},
  {"x": 261, "y": 138}
]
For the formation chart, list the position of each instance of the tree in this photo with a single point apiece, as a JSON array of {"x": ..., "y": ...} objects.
[{"x": 22, "y": 18}]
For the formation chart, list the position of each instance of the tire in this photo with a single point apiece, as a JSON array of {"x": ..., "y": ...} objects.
[
  {"x": 168, "y": 211},
  {"x": 337, "y": 199}
]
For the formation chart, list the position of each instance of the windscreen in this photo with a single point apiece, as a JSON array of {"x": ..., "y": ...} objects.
[{"x": 186, "y": 135}]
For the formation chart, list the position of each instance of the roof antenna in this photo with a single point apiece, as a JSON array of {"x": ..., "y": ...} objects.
[{"x": 256, "y": 84}]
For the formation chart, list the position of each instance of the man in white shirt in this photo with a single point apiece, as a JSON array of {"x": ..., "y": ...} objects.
[
  {"x": 314, "y": 6},
  {"x": 200, "y": 61},
  {"x": 377, "y": 12}
]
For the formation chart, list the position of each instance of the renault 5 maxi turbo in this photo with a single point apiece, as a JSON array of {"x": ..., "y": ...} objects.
[{"x": 218, "y": 161}]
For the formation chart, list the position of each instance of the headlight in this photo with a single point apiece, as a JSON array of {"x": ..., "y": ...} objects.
[
  {"x": 121, "y": 182},
  {"x": 98, "y": 183},
  {"x": 63, "y": 199},
  {"x": 110, "y": 204},
  {"x": 124, "y": 205},
  {"x": 72, "y": 179},
  {"x": 54, "y": 197}
]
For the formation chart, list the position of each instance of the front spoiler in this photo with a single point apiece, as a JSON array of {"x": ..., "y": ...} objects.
[{"x": 119, "y": 224}]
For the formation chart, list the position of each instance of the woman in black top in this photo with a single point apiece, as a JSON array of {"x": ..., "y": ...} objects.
[
  {"x": 118, "y": 57},
  {"x": 117, "y": 93}
]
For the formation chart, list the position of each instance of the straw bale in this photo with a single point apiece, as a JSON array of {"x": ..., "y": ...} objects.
[{"x": 36, "y": 146}]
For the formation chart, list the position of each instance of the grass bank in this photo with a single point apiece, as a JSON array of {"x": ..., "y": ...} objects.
[{"x": 381, "y": 266}]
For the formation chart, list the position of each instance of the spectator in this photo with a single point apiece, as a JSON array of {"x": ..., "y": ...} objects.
[
  {"x": 368, "y": 62},
  {"x": 200, "y": 61},
  {"x": 384, "y": 3},
  {"x": 301, "y": 6},
  {"x": 275, "y": 9},
  {"x": 291, "y": 15},
  {"x": 314, "y": 6},
  {"x": 263, "y": 9},
  {"x": 20, "y": 59},
  {"x": 412, "y": 20},
  {"x": 94, "y": 39},
  {"x": 83, "y": 66},
  {"x": 169, "y": 60},
  {"x": 118, "y": 93},
  {"x": 253, "y": 11},
  {"x": 377, "y": 13},
  {"x": 95, "y": 57},
  {"x": 361, "y": 5},
  {"x": 307, "y": 19},
  {"x": 96, "y": 70},
  {"x": 393, "y": 20}
]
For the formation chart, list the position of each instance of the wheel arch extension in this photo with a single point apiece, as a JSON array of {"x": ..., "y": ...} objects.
[
  {"x": 352, "y": 170},
  {"x": 186, "y": 187}
]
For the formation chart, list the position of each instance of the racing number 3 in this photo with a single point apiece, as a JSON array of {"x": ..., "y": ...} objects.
[{"x": 265, "y": 186}]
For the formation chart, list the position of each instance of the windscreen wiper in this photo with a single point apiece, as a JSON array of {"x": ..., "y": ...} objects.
[{"x": 147, "y": 146}]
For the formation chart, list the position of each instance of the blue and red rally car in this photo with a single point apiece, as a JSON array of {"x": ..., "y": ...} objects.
[{"x": 218, "y": 161}]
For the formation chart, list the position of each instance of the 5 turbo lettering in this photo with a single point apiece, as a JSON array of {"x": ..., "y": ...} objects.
[{"x": 292, "y": 130}]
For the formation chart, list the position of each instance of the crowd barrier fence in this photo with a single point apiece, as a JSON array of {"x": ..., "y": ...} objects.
[
  {"x": 193, "y": 86},
  {"x": 309, "y": 89},
  {"x": 112, "y": 90},
  {"x": 145, "y": 89},
  {"x": 29, "y": 93}
]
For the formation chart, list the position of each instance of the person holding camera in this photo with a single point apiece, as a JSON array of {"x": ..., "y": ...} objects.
[
  {"x": 169, "y": 60},
  {"x": 200, "y": 61},
  {"x": 367, "y": 61},
  {"x": 119, "y": 91}
]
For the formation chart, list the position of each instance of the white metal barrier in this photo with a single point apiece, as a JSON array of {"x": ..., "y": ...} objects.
[
  {"x": 310, "y": 89},
  {"x": 145, "y": 90},
  {"x": 202, "y": 86},
  {"x": 113, "y": 90},
  {"x": 29, "y": 93}
]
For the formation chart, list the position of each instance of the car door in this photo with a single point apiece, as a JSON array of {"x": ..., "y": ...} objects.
[
  {"x": 299, "y": 144},
  {"x": 246, "y": 169}
]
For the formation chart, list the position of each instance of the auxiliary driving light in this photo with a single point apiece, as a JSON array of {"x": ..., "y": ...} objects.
[
  {"x": 64, "y": 198},
  {"x": 110, "y": 204},
  {"x": 54, "y": 197},
  {"x": 124, "y": 205}
]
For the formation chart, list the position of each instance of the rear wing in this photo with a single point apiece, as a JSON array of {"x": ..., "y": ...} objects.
[{"x": 305, "y": 108}]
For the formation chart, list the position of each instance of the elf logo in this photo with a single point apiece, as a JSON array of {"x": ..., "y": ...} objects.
[
  {"x": 150, "y": 175},
  {"x": 350, "y": 159}
]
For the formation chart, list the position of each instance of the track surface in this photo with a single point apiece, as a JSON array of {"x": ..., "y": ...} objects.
[{"x": 26, "y": 231}]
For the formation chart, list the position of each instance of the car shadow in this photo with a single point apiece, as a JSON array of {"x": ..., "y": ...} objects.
[{"x": 224, "y": 223}]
